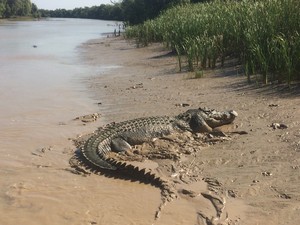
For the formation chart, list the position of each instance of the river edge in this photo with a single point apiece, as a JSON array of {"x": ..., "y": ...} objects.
[
  {"x": 147, "y": 83},
  {"x": 257, "y": 174}
]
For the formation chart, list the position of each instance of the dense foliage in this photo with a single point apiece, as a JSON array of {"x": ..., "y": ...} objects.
[
  {"x": 103, "y": 12},
  {"x": 11, "y": 8},
  {"x": 138, "y": 11},
  {"x": 129, "y": 11},
  {"x": 264, "y": 35}
]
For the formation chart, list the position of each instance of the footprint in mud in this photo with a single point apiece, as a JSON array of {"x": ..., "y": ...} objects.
[
  {"x": 219, "y": 216},
  {"x": 88, "y": 118},
  {"x": 41, "y": 151},
  {"x": 15, "y": 193},
  {"x": 210, "y": 206}
]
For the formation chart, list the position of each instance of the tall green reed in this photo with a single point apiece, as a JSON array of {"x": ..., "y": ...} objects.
[{"x": 262, "y": 34}]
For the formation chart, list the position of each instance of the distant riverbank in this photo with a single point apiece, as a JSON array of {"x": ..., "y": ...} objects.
[{"x": 21, "y": 18}]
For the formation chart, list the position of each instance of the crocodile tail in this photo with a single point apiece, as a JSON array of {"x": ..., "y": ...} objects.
[{"x": 94, "y": 158}]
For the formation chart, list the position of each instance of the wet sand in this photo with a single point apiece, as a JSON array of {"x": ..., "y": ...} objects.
[{"x": 256, "y": 175}]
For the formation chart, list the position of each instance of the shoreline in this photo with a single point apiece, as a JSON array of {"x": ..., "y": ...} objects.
[
  {"x": 148, "y": 83},
  {"x": 256, "y": 174}
]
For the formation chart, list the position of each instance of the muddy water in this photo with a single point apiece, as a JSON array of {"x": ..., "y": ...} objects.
[
  {"x": 40, "y": 78},
  {"x": 41, "y": 90}
]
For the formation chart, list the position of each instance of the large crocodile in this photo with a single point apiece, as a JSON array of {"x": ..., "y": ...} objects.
[{"x": 121, "y": 136}]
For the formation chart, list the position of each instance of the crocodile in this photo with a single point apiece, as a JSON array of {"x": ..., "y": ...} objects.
[{"x": 120, "y": 137}]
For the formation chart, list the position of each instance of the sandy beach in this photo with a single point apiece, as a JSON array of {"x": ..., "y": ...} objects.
[{"x": 250, "y": 179}]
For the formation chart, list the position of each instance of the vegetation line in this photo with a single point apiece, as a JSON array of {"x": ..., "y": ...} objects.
[
  {"x": 263, "y": 34},
  {"x": 13, "y": 8},
  {"x": 130, "y": 11}
]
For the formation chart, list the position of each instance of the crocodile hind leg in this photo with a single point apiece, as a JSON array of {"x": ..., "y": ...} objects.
[{"x": 120, "y": 145}]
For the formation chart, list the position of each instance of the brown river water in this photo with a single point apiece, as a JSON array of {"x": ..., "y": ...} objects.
[
  {"x": 41, "y": 76},
  {"x": 42, "y": 89}
]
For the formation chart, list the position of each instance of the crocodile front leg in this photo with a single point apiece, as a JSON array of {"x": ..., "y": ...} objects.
[{"x": 199, "y": 125}]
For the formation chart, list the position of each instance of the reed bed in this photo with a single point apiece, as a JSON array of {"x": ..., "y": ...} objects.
[{"x": 264, "y": 35}]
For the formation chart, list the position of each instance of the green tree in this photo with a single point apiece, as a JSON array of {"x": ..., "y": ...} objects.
[
  {"x": 35, "y": 11},
  {"x": 16, "y": 8},
  {"x": 138, "y": 11},
  {"x": 133, "y": 11},
  {"x": 2, "y": 8}
]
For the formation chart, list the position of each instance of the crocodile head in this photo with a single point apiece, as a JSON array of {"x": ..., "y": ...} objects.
[{"x": 205, "y": 120}]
